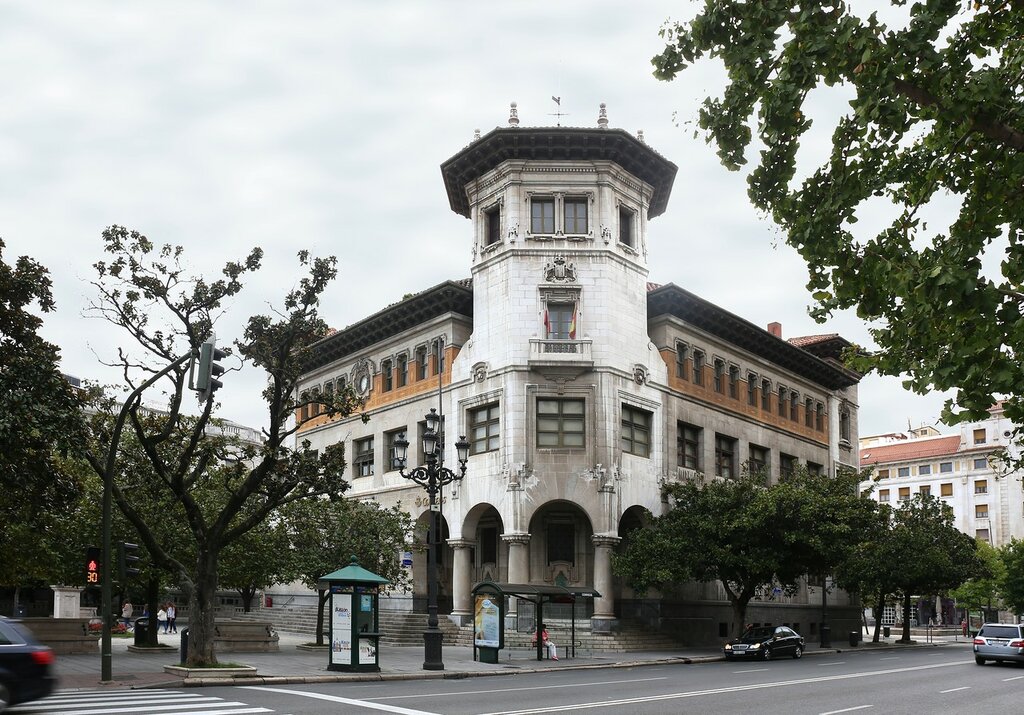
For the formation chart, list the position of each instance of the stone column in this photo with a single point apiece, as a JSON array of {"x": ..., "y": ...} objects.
[
  {"x": 462, "y": 569},
  {"x": 518, "y": 571},
  {"x": 603, "y": 619}
]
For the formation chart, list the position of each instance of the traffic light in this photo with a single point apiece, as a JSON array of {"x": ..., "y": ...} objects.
[
  {"x": 92, "y": 566},
  {"x": 126, "y": 558},
  {"x": 206, "y": 382}
]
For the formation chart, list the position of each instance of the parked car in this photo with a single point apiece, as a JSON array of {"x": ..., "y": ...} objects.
[
  {"x": 26, "y": 666},
  {"x": 999, "y": 642},
  {"x": 765, "y": 643}
]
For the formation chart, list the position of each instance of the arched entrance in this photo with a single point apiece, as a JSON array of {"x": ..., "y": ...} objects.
[
  {"x": 628, "y": 604},
  {"x": 562, "y": 553},
  {"x": 419, "y": 566}
]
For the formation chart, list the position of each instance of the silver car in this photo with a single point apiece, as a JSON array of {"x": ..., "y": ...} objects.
[{"x": 999, "y": 642}]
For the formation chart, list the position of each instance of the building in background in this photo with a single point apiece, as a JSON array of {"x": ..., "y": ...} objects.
[{"x": 582, "y": 387}]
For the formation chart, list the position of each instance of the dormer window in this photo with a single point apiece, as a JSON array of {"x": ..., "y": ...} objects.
[
  {"x": 542, "y": 215},
  {"x": 626, "y": 228},
  {"x": 575, "y": 215}
]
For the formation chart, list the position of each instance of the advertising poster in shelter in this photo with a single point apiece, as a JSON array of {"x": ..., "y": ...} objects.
[
  {"x": 486, "y": 622},
  {"x": 341, "y": 628}
]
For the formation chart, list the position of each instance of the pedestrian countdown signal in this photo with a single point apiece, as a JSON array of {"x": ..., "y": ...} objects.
[{"x": 92, "y": 566}]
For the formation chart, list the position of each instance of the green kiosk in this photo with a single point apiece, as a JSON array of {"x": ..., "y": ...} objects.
[{"x": 354, "y": 594}]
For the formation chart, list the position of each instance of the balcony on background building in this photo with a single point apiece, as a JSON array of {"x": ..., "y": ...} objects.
[{"x": 569, "y": 355}]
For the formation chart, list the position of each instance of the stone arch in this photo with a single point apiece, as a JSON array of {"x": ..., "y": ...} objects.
[
  {"x": 419, "y": 566},
  {"x": 561, "y": 552},
  {"x": 629, "y": 604},
  {"x": 482, "y": 529}
]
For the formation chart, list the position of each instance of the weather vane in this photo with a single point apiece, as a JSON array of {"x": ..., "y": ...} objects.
[{"x": 558, "y": 114}]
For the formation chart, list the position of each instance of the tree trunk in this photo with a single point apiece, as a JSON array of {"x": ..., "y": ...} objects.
[
  {"x": 739, "y": 613},
  {"x": 879, "y": 612},
  {"x": 152, "y": 596},
  {"x": 247, "y": 594},
  {"x": 201, "y": 612},
  {"x": 906, "y": 619},
  {"x": 322, "y": 597}
]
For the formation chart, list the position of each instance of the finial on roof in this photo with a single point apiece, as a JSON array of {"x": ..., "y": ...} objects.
[
  {"x": 602, "y": 117},
  {"x": 640, "y": 136},
  {"x": 476, "y": 134},
  {"x": 513, "y": 116}
]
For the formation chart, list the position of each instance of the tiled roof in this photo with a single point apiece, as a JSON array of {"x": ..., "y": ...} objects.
[
  {"x": 812, "y": 339},
  {"x": 916, "y": 449}
]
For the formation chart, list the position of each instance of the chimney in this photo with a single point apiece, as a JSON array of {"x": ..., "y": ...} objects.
[{"x": 775, "y": 329}]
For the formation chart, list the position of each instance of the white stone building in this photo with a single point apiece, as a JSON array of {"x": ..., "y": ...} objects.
[{"x": 582, "y": 388}]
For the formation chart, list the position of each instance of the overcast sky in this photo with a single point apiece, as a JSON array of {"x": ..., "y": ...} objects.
[{"x": 222, "y": 125}]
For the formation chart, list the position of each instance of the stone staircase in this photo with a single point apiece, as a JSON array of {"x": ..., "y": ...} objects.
[{"x": 401, "y": 628}]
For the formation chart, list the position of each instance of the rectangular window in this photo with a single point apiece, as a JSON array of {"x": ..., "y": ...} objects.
[
  {"x": 719, "y": 372},
  {"x": 484, "y": 429},
  {"x": 752, "y": 389},
  {"x": 758, "y": 461},
  {"x": 883, "y": 495},
  {"x": 904, "y": 493},
  {"x": 980, "y": 463},
  {"x": 725, "y": 456},
  {"x": 783, "y": 402},
  {"x": 787, "y": 464},
  {"x": 403, "y": 370},
  {"x": 794, "y": 406},
  {"x": 561, "y": 543},
  {"x": 489, "y": 545},
  {"x": 808, "y": 412},
  {"x": 979, "y": 436},
  {"x": 688, "y": 439},
  {"x": 883, "y": 473},
  {"x": 946, "y": 489},
  {"x": 682, "y": 358},
  {"x": 844, "y": 425},
  {"x": 819, "y": 417},
  {"x": 542, "y": 215},
  {"x": 981, "y": 535},
  {"x": 560, "y": 321},
  {"x": 421, "y": 362},
  {"x": 492, "y": 226},
  {"x": 815, "y": 468},
  {"x": 389, "y": 444},
  {"x": 388, "y": 375},
  {"x": 981, "y": 486},
  {"x": 766, "y": 395},
  {"x": 925, "y": 490},
  {"x": 560, "y": 423},
  {"x": 698, "y": 367},
  {"x": 626, "y": 226},
  {"x": 981, "y": 511},
  {"x": 903, "y": 472},
  {"x": 734, "y": 382},
  {"x": 636, "y": 431},
  {"x": 576, "y": 216},
  {"x": 314, "y": 407},
  {"x": 362, "y": 459},
  {"x": 924, "y": 469},
  {"x": 945, "y": 467},
  {"x": 438, "y": 354}
]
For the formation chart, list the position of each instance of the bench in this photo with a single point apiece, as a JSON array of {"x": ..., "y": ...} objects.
[{"x": 245, "y": 637}]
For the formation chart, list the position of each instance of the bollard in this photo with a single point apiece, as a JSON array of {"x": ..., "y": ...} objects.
[
  {"x": 854, "y": 637},
  {"x": 184, "y": 645}
]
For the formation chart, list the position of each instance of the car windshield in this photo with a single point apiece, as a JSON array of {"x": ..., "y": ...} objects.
[
  {"x": 763, "y": 632},
  {"x": 999, "y": 632}
]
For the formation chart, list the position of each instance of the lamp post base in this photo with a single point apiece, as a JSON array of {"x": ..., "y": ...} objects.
[{"x": 432, "y": 649}]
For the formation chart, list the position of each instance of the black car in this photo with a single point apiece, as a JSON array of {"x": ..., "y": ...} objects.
[
  {"x": 765, "y": 643},
  {"x": 26, "y": 666}
]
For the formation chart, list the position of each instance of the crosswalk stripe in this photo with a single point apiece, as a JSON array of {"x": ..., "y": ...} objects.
[
  {"x": 112, "y": 699},
  {"x": 144, "y": 702}
]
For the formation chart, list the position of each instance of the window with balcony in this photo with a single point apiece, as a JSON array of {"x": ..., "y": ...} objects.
[
  {"x": 575, "y": 214},
  {"x": 688, "y": 440},
  {"x": 981, "y": 511},
  {"x": 946, "y": 489},
  {"x": 560, "y": 321},
  {"x": 725, "y": 456},
  {"x": 758, "y": 461},
  {"x": 698, "y": 367},
  {"x": 635, "y": 434},
  {"x": 561, "y": 423},
  {"x": 981, "y": 486},
  {"x": 904, "y": 493},
  {"x": 542, "y": 215},
  {"x": 362, "y": 458},
  {"x": 484, "y": 429},
  {"x": 390, "y": 437}
]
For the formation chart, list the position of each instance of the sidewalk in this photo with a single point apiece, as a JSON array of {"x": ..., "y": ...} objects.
[{"x": 290, "y": 665}]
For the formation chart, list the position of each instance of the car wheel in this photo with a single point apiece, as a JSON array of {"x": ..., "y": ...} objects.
[
  {"x": 767, "y": 654},
  {"x": 798, "y": 653},
  {"x": 979, "y": 660},
  {"x": 5, "y": 697}
]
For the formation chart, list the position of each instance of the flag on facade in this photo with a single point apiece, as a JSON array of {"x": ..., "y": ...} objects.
[
  {"x": 572, "y": 326},
  {"x": 547, "y": 325}
]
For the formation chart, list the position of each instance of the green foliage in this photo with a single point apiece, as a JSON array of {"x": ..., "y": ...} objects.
[
  {"x": 259, "y": 558},
  {"x": 936, "y": 112},
  {"x": 1011, "y": 584},
  {"x": 982, "y": 591}
]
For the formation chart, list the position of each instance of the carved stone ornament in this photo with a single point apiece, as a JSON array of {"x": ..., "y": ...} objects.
[
  {"x": 362, "y": 377},
  {"x": 560, "y": 271},
  {"x": 513, "y": 232},
  {"x": 479, "y": 372},
  {"x": 606, "y": 234},
  {"x": 640, "y": 374}
]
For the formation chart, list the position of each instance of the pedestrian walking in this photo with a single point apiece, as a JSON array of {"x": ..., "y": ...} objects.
[
  {"x": 161, "y": 620},
  {"x": 172, "y": 614},
  {"x": 126, "y": 614}
]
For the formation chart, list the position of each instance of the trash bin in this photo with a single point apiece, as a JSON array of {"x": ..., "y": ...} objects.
[
  {"x": 826, "y": 636},
  {"x": 885, "y": 631},
  {"x": 141, "y": 626},
  {"x": 854, "y": 637},
  {"x": 184, "y": 645}
]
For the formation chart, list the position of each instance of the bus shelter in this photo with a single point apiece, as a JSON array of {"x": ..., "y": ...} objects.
[{"x": 489, "y": 613}]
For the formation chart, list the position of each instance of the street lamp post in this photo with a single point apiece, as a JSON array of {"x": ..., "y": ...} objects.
[{"x": 433, "y": 477}]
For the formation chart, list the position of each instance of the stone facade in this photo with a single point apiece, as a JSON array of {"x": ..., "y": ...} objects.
[{"x": 573, "y": 379}]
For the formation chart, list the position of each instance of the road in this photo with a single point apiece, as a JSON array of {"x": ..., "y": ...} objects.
[{"x": 940, "y": 680}]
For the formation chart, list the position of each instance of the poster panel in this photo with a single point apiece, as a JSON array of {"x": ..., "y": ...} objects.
[
  {"x": 341, "y": 629},
  {"x": 486, "y": 622}
]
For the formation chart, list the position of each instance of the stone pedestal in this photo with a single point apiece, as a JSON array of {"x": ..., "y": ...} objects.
[{"x": 66, "y": 601}]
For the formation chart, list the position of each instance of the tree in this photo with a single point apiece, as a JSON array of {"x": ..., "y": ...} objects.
[
  {"x": 981, "y": 592},
  {"x": 326, "y": 534},
  {"x": 936, "y": 111},
  {"x": 260, "y": 558},
  {"x": 168, "y": 313},
  {"x": 745, "y": 535},
  {"x": 1011, "y": 584},
  {"x": 869, "y": 568},
  {"x": 41, "y": 428}
]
